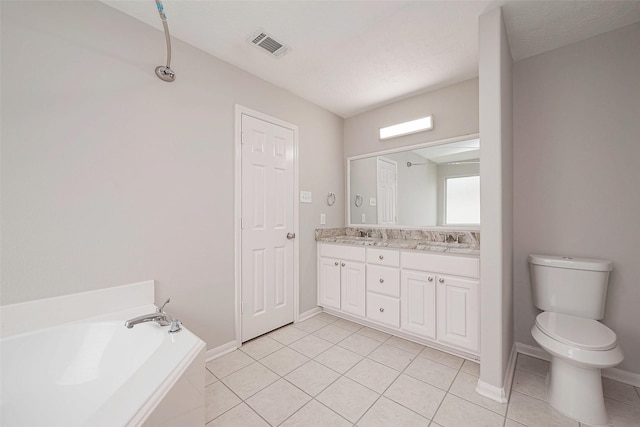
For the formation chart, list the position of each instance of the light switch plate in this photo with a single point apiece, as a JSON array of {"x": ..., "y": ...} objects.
[
  {"x": 305, "y": 197},
  {"x": 372, "y": 201},
  {"x": 323, "y": 219},
  {"x": 364, "y": 218}
]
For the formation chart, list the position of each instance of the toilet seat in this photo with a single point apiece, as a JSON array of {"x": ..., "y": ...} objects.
[{"x": 586, "y": 334}]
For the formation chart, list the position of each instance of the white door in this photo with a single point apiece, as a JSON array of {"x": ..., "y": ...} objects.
[
  {"x": 458, "y": 321},
  {"x": 267, "y": 218},
  {"x": 387, "y": 191},
  {"x": 329, "y": 283},
  {"x": 419, "y": 303},
  {"x": 353, "y": 287}
]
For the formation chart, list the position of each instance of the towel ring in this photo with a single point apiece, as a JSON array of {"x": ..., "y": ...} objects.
[
  {"x": 331, "y": 198},
  {"x": 359, "y": 200}
]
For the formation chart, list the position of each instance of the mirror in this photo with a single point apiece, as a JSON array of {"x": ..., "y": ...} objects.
[{"x": 429, "y": 185}]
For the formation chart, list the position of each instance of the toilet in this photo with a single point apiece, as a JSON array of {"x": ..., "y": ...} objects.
[{"x": 572, "y": 293}]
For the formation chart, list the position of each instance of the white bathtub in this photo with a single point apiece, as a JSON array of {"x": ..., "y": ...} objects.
[{"x": 94, "y": 373}]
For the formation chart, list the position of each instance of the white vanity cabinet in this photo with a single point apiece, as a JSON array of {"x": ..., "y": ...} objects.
[
  {"x": 425, "y": 296},
  {"x": 341, "y": 278}
]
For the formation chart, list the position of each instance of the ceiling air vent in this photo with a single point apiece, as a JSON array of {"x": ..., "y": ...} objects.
[{"x": 269, "y": 44}]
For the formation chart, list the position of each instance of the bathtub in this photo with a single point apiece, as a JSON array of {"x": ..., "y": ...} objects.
[{"x": 96, "y": 372}]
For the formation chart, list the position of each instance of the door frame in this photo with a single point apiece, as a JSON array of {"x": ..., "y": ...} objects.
[{"x": 239, "y": 111}]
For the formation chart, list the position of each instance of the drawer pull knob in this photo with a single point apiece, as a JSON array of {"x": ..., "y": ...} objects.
[
  {"x": 343, "y": 264},
  {"x": 381, "y": 280},
  {"x": 430, "y": 279},
  {"x": 336, "y": 262},
  {"x": 441, "y": 280},
  {"x": 381, "y": 310},
  {"x": 380, "y": 257}
]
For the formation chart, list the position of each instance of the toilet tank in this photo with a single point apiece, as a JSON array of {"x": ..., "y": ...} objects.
[{"x": 575, "y": 286}]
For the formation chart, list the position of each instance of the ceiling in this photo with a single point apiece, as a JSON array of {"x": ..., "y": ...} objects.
[{"x": 352, "y": 56}]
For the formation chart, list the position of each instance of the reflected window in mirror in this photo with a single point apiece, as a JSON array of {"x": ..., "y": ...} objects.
[{"x": 462, "y": 200}]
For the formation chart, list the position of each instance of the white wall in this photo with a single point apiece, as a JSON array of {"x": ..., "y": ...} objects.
[
  {"x": 111, "y": 176},
  {"x": 495, "y": 67},
  {"x": 454, "y": 109},
  {"x": 577, "y": 170}
]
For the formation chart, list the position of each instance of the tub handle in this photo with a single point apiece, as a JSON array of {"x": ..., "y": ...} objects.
[
  {"x": 176, "y": 326},
  {"x": 161, "y": 309}
]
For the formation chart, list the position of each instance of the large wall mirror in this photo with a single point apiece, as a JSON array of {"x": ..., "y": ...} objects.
[{"x": 427, "y": 185}]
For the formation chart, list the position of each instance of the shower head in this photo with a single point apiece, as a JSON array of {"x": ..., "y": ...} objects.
[{"x": 164, "y": 72}]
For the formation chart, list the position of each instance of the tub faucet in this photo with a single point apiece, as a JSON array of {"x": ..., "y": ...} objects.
[{"x": 160, "y": 317}]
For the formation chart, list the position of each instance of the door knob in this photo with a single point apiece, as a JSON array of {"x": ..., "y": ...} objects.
[
  {"x": 441, "y": 280},
  {"x": 291, "y": 236},
  {"x": 343, "y": 264},
  {"x": 381, "y": 280},
  {"x": 336, "y": 262},
  {"x": 430, "y": 279}
]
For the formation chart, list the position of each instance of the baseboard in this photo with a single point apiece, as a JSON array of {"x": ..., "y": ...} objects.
[
  {"x": 500, "y": 394},
  {"x": 511, "y": 370},
  {"x": 611, "y": 373},
  {"x": 309, "y": 314},
  {"x": 221, "y": 350}
]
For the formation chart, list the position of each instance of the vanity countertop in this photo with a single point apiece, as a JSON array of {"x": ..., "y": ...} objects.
[{"x": 469, "y": 249}]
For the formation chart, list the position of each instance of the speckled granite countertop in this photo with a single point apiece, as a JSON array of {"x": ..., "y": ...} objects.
[{"x": 421, "y": 240}]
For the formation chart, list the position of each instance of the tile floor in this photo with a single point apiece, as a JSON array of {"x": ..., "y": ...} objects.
[{"x": 327, "y": 372}]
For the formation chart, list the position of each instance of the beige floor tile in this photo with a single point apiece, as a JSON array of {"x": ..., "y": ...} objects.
[
  {"x": 260, "y": 347},
  {"x": 250, "y": 380},
  {"x": 621, "y": 392},
  {"x": 532, "y": 365},
  {"x": 311, "y": 346},
  {"x": 405, "y": 345},
  {"x": 529, "y": 384},
  {"x": 209, "y": 378},
  {"x": 431, "y": 372},
  {"x": 284, "y": 361},
  {"x": 326, "y": 317},
  {"x": 278, "y": 401},
  {"x": 288, "y": 334},
  {"x": 392, "y": 356},
  {"x": 312, "y": 377},
  {"x": 470, "y": 367},
  {"x": 229, "y": 363},
  {"x": 315, "y": 414},
  {"x": 374, "y": 334},
  {"x": 450, "y": 360},
  {"x": 241, "y": 415},
  {"x": 372, "y": 374},
  {"x": 535, "y": 413},
  {"x": 218, "y": 399},
  {"x": 511, "y": 423},
  {"x": 622, "y": 415},
  {"x": 386, "y": 412},
  {"x": 434, "y": 424},
  {"x": 359, "y": 344},
  {"x": 464, "y": 386},
  {"x": 348, "y": 398},
  {"x": 311, "y": 325},
  {"x": 332, "y": 333},
  {"x": 339, "y": 359},
  {"x": 346, "y": 324},
  {"x": 455, "y": 412},
  {"x": 415, "y": 395}
]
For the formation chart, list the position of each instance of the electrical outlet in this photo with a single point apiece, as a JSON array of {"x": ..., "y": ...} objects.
[
  {"x": 364, "y": 218},
  {"x": 323, "y": 219}
]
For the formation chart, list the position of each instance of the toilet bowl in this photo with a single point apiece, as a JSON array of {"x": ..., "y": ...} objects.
[
  {"x": 579, "y": 348},
  {"x": 572, "y": 294}
]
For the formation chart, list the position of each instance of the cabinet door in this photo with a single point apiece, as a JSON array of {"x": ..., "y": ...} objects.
[
  {"x": 329, "y": 283},
  {"x": 353, "y": 288},
  {"x": 418, "y": 314},
  {"x": 458, "y": 321}
]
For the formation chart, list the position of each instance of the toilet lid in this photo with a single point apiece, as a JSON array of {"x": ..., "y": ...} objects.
[{"x": 579, "y": 332}]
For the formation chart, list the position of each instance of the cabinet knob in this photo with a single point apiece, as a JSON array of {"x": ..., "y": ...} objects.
[
  {"x": 381, "y": 280},
  {"x": 343, "y": 264},
  {"x": 336, "y": 263},
  {"x": 380, "y": 257},
  {"x": 381, "y": 310},
  {"x": 441, "y": 280},
  {"x": 430, "y": 279}
]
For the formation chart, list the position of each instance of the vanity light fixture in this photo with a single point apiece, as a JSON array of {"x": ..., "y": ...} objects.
[{"x": 406, "y": 128}]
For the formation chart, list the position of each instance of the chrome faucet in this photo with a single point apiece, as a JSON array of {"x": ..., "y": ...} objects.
[{"x": 160, "y": 317}]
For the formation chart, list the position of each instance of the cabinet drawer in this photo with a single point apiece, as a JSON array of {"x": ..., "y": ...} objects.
[
  {"x": 383, "y": 309},
  {"x": 387, "y": 257},
  {"x": 436, "y": 263},
  {"x": 352, "y": 253},
  {"x": 383, "y": 280}
]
